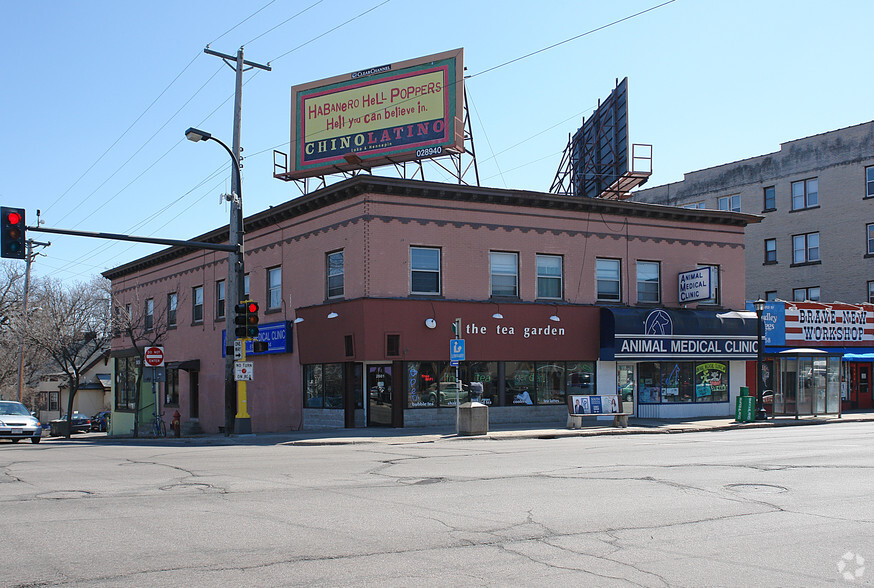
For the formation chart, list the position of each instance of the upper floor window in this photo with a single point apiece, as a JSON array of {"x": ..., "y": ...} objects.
[
  {"x": 870, "y": 292},
  {"x": 869, "y": 181},
  {"x": 805, "y": 248},
  {"x": 770, "y": 250},
  {"x": 694, "y": 205},
  {"x": 714, "y": 284},
  {"x": 648, "y": 287},
  {"x": 424, "y": 270},
  {"x": 802, "y": 294},
  {"x": 504, "y": 273},
  {"x": 607, "y": 276},
  {"x": 805, "y": 194},
  {"x": 274, "y": 288},
  {"x": 869, "y": 232},
  {"x": 771, "y": 295},
  {"x": 197, "y": 304},
  {"x": 549, "y": 276},
  {"x": 149, "y": 315},
  {"x": 220, "y": 299},
  {"x": 172, "y": 300},
  {"x": 730, "y": 203},
  {"x": 246, "y": 287},
  {"x": 334, "y": 271},
  {"x": 770, "y": 198}
]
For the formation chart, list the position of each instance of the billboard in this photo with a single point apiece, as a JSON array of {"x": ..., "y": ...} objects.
[
  {"x": 378, "y": 116},
  {"x": 599, "y": 149}
]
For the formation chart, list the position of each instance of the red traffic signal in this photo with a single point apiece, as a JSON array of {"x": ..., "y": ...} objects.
[
  {"x": 252, "y": 319},
  {"x": 12, "y": 233}
]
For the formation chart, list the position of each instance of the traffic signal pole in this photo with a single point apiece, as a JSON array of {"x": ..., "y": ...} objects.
[{"x": 28, "y": 259}]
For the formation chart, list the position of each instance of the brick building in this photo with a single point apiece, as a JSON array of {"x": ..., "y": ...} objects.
[{"x": 360, "y": 282}]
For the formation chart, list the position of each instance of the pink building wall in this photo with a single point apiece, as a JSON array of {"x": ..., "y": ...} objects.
[{"x": 375, "y": 221}]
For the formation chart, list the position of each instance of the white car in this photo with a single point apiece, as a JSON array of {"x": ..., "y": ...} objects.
[{"x": 17, "y": 423}]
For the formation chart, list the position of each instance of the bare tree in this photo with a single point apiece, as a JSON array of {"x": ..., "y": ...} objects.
[
  {"x": 72, "y": 326},
  {"x": 145, "y": 324}
]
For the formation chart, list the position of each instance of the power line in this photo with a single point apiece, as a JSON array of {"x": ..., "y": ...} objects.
[
  {"x": 283, "y": 22},
  {"x": 242, "y": 21},
  {"x": 589, "y": 32}
]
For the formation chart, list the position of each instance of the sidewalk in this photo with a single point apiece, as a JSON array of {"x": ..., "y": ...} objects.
[{"x": 496, "y": 432}]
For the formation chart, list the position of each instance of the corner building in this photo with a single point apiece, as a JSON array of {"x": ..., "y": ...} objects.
[{"x": 360, "y": 283}]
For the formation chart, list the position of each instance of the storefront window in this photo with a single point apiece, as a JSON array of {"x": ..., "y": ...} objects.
[
  {"x": 519, "y": 383},
  {"x": 625, "y": 386},
  {"x": 649, "y": 382},
  {"x": 333, "y": 376},
  {"x": 313, "y": 386},
  {"x": 682, "y": 381},
  {"x": 550, "y": 383},
  {"x": 580, "y": 377},
  {"x": 486, "y": 373}
]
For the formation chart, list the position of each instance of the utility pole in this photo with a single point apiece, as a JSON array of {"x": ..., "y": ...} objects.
[
  {"x": 236, "y": 270},
  {"x": 28, "y": 259}
]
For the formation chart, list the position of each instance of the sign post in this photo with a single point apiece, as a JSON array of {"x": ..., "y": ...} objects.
[
  {"x": 153, "y": 357},
  {"x": 456, "y": 354}
]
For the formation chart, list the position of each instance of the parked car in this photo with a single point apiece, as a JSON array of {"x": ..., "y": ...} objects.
[
  {"x": 16, "y": 422},
  {"x": 79, "y": 423},
  {"x": 100, "y": 421}
]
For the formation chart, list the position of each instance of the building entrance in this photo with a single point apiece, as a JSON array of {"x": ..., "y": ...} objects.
[
  {"x": 860, "y": 385},
  {"x": 379, "y": 395}
]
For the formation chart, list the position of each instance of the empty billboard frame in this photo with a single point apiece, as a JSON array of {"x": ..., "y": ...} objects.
[{"x": 382, "y": 115}]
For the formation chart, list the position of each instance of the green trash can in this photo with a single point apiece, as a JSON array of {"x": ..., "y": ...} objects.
[{"x": 745, "y": 410}]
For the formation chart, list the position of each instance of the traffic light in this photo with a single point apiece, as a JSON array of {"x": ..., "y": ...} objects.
[
  {"x": 251, "y": 319},
  {"x": 240, "y": 311},
  {"x": 12, "y": 239}
]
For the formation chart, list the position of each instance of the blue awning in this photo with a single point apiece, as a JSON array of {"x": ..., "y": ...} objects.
[
  {"x": 858, "y": 357},
  {"x": 660, "y": 333}
]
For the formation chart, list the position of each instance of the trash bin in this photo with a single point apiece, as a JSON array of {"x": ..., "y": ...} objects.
[
  {"x": 745, "y": 410},
  {"x": 59, "y": 428},
  {"x": 473, "y": 419}
]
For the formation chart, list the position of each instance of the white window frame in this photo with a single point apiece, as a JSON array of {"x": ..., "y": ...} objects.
[
  {"x": 600, "y": 277},
  {"x": 422, "y": 269},
  {"x": 869, "y": 181},
  {"x": 805, "y": 248},
  {"x": 729, "y": 203},
  {"x": 811, "y": 293},
  {"x": 197, "y": 304},
  {"x": 643, "y": 280},
  {"x": 546, "y": 278},
  {"x": 274, "y": 288},
  {"x": 493, "y": 255},
  {"x": 804, "y": 193},
  {"x": 869, "y": 233},
  {"x": 149, "y": 315},
  {"x": 220, "y": 299},
  {"x": 772, "y": 258},
  {"x": 871, "y": 292},
  {"x": 333, "y": 276},
  {"x": 695, "y": 205},
  {"x": 172, "y": 306}
]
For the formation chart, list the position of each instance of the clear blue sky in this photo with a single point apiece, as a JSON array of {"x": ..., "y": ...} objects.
[{"x": 97, "y": 95}]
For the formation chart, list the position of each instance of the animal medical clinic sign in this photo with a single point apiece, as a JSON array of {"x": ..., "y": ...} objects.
[{"x": 386, "y": 114}]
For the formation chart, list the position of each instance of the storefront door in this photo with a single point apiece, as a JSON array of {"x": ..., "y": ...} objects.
[
  {"x": 863, "y": 392},
  {"x": 625, "y": 384},
  {"x": 379, "y": 395}
]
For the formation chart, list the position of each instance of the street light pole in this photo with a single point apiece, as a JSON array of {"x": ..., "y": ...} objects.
[
  {"x": 761, "y": 415},
  {"x": 234, "y": 290}
]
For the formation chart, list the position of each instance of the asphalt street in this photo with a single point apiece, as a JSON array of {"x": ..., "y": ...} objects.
[{"x": 766, "y": 506}]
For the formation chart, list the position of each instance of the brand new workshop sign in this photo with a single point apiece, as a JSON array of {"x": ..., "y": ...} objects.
[{"x": 825, "y": 325}]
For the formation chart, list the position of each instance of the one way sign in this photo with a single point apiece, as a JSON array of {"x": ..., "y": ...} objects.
[{"x": 456, "y": 350}]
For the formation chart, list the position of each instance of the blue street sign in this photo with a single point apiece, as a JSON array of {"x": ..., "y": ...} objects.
[
  {"x": 453, "y": 364},
  {"x": 456, "y": 350}
]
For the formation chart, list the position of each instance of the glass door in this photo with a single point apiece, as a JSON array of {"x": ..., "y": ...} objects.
[
  {"x": 625, "y": 386},
  {"x": 379, "y": 395}
]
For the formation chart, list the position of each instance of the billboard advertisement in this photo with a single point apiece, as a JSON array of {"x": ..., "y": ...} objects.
[
  {"x": 381, "y": 115},
  {"x": 599, "y": 156}
]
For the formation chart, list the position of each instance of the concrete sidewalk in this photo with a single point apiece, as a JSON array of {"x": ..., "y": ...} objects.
[{"x": 496, "y": 432}]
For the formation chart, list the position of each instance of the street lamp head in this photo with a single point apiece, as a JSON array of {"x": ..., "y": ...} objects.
[
  {"x": 759, "y": 305},
  {"x": 196, "y": 135}
]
